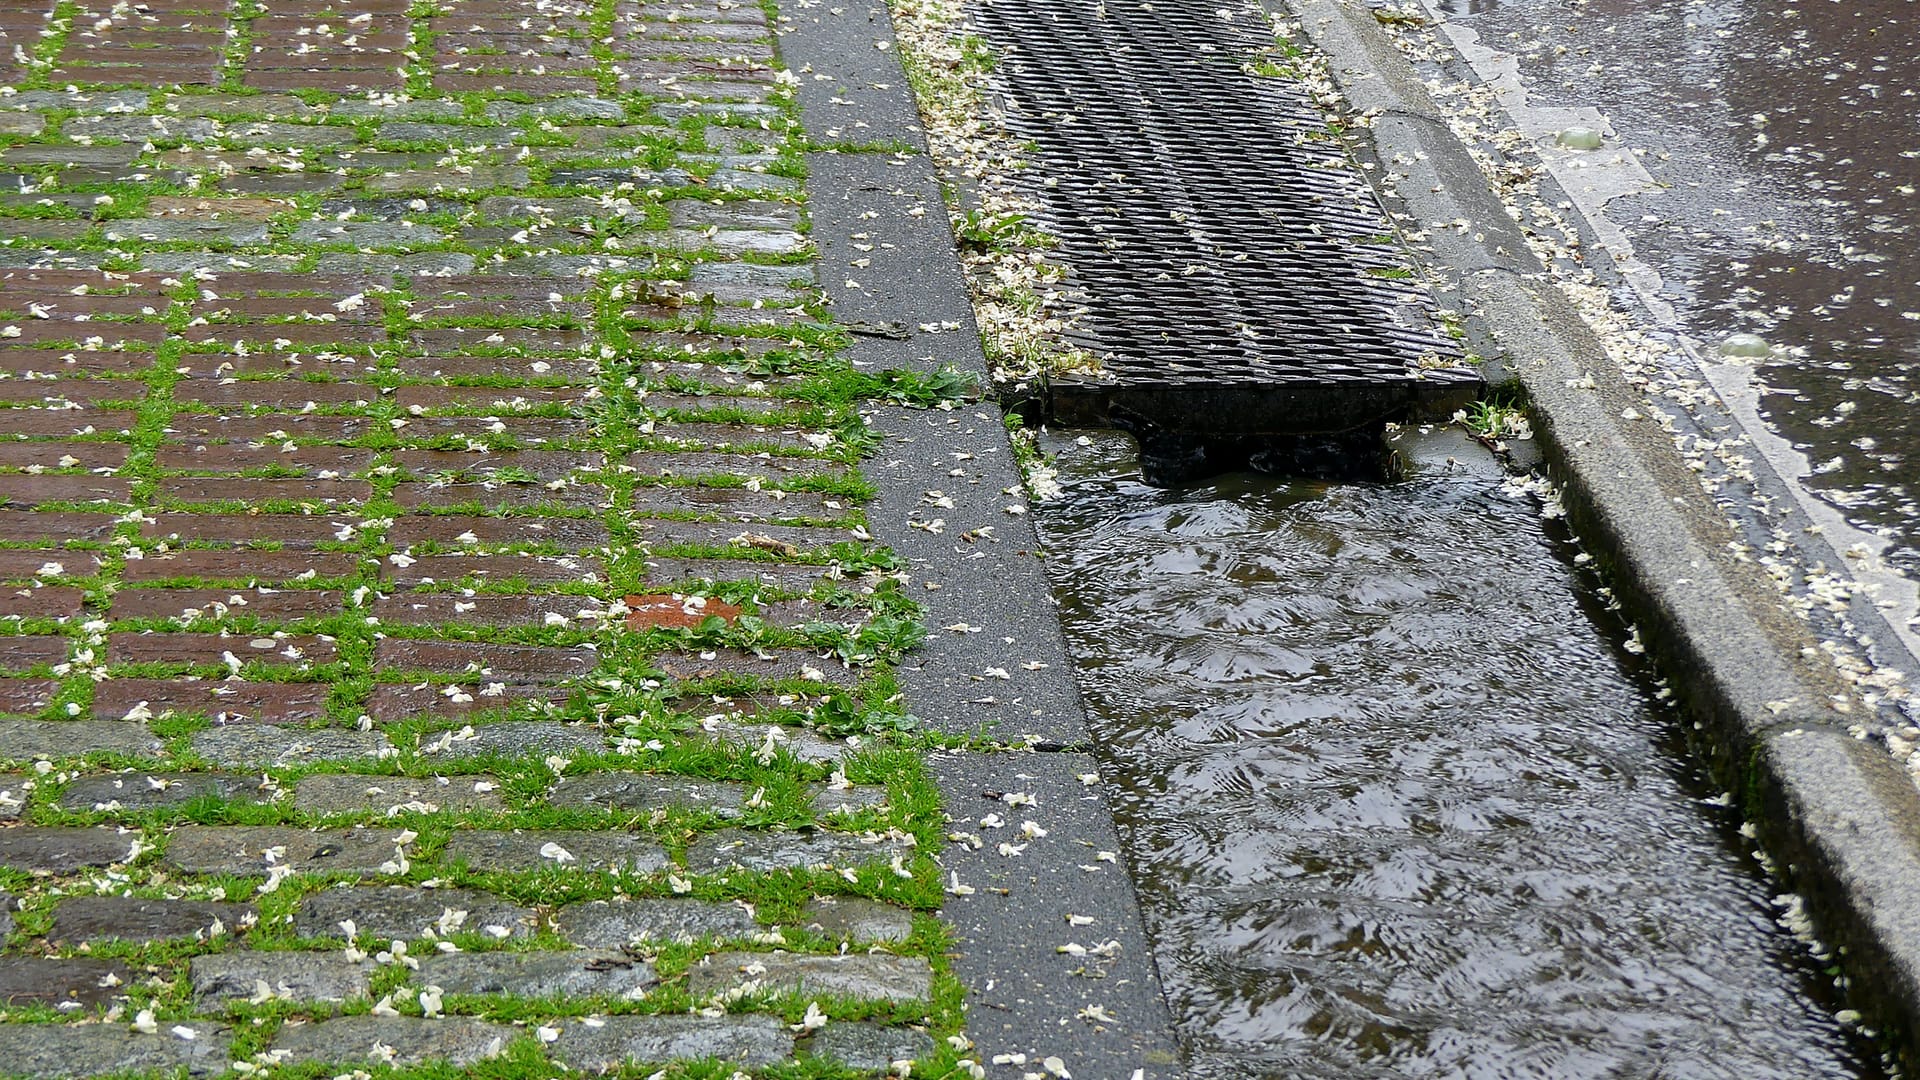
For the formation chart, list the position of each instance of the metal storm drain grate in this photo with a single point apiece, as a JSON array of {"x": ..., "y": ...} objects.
[{"x": 1230, "y": 254}]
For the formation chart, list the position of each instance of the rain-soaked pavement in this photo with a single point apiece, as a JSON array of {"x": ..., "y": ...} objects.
[
  {"x": 1785, "y": 136},
  {"x": 1398, "y": 801}
]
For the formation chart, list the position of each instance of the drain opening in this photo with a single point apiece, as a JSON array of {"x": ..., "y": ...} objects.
[{"x": 1240, "y": 283}]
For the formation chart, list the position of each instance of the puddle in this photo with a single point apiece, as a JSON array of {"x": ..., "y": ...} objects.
[{"x": 1396, "y": 806}]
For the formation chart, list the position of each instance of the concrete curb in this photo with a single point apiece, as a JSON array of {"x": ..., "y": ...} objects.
[
  {"x": 1838, "y": 816},
  {"x": 995, "y": 662}
]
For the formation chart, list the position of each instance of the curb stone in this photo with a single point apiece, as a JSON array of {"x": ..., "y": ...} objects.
[
  {"x": 995, "y": 662},
  {"x": 1053, "y": 933},
  {"x": 1840, "y": 819}
]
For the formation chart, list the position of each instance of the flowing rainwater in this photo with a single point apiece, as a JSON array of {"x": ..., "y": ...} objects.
[{"x": 1398, "y": 800}]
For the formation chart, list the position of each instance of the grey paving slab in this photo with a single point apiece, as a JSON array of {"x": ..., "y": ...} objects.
[
  {"x": 54, "y": 850},
  {"x": 78, "y": 919},
  {"x": 868, "y": 976},
  {"x": 28, "y": 979},
  {"x": 868, "y": 1047},
  {"x": 804, "y": 745},
  {"x": 1024, "y": 994},
  {"x": 994, "y": 659},
  {"x": 266, "y": 744},
  {"x": 851, "y": 88},
  {"x": 30, "y": 739},
  {"x": 856, "y": 918},
  {"x": 151, "y": 790},
  {"x": 909, "y": 307},
  {"x": 16, "y": 789},
  {"x": 848, "y": 800},
  {"x": 510, "y": 738},
  {"x": 753, "y": 849},
  {"x": 58, "y": 1051},
  {"x": 614, "y": 924},
  {"x": 253, "y": 849},
  {"x": 309, "y": 978},
  {"x": 599, "y": 972},
  {"x": 487, "y": 850},
  {"x": 911, "y": 277},
  {"x": 399, "y": 1040},
  {"x": 329, "y": 793},
  {"x": 649, "y": 791},
  {"x": 407, "y": 913}
]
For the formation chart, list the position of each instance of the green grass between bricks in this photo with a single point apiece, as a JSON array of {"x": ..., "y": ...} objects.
[{"x": 660, "y": 724}]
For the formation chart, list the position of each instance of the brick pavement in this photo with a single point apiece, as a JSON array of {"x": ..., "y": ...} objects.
[{"x": 437, "y": 622}]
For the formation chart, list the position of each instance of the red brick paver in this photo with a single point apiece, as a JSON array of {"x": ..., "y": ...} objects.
[{"x": 398, "y": 418}]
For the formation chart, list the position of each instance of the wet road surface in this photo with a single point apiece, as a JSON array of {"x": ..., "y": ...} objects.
[{"x": 1786, "y": 140}]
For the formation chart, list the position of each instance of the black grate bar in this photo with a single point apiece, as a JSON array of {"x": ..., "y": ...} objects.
[{"x": 1218, "y": 233}]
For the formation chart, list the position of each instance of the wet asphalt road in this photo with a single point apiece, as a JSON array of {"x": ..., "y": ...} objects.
[{"x": 1785, "y": 139}]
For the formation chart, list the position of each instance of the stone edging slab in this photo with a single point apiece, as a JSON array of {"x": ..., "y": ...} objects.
[{"x": 950, "y": 502}]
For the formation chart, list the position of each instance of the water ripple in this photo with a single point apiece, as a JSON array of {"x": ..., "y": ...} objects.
[{"x": 1396, "y": 807}]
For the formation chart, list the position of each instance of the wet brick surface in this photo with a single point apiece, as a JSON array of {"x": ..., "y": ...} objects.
[{"x": 430, "y": 520}]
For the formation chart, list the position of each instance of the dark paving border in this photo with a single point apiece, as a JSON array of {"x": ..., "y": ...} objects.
[
  {"x": 1838, "y": 816},
  {"x": 995, "y": 663},
  {"x": 1015, "y": 922},
  {"x": 1007, "y": 675}
]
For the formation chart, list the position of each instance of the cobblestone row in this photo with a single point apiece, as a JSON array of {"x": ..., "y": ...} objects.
[{"x": 436, "y": 620}]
